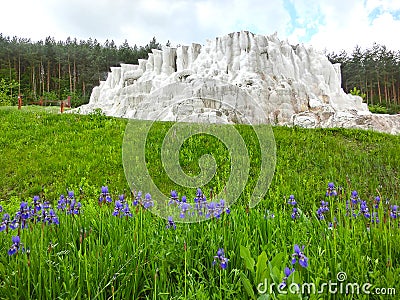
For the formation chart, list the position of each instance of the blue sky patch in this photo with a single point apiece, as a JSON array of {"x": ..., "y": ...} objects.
[
  {"x": 378, "y": 11},
  {"x": 310, "y": 24}
]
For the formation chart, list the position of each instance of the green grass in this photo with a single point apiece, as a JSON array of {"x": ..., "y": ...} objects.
[{"x": 98, "y": 256}]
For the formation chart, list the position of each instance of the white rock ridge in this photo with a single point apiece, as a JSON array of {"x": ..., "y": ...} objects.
[{"x": 293, "y": 85}]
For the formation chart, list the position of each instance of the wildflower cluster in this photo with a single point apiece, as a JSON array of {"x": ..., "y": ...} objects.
[
  {"x": 69, "y": 204},
  {"x": 352, "y": 205},
  {"x": 36, "y": 212},
  {"x": 221, "y": 259},
  {"x": 201, "y": 207},
  {"x": 122, "y": 208},
  {"x": 146, "y": 203},
  {"x": 356, "y": 207}
]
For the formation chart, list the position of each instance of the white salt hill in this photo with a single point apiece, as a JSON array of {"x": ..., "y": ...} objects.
[{"x": 237, "y": 78}]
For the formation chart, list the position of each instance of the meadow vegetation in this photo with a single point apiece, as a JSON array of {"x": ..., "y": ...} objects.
[{"x": 78, "y": 247}]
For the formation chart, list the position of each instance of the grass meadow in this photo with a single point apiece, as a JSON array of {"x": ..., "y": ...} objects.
[{"x": 329, "y": 220}]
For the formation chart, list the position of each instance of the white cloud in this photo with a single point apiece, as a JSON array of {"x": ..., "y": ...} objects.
[
  {"x": 346, "y": 28},
  {"x": 334, "y": 25}
]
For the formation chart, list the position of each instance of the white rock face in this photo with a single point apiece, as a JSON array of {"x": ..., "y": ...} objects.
[{"x": 293, "y": 85}]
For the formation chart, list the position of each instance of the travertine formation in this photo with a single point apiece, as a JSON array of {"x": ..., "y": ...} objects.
[{"x": 292, "y": 85}]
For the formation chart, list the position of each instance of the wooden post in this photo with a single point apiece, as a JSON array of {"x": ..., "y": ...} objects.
[
  {"x": 19, "y": 101},
  {"x": 62, "y": 106}
]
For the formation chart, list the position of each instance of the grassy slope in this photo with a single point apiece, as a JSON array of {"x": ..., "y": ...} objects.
[
  {"x": 140, "y": 259},
  {"x": 53, "y": 152}
]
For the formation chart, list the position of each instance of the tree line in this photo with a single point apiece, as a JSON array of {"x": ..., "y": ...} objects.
[
  {"x": 373, "y": 74},
  {"x": 53, "y": 70}
]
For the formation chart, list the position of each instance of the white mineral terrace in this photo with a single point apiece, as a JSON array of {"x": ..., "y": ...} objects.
[{"x": 292, "y": 85}]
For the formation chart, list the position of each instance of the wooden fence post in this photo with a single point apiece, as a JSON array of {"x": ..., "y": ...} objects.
[{"x": 19, "y": 101}]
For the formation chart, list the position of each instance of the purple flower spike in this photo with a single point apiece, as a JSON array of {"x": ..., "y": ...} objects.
[
  {"x": 104, "y": 189},
  {"x": 299, "y": 256},
  {"x": 287, "y": 273},
  {"x": 71, "y": 194},
  {"x": 15, "y": 246},
  {"x": 171, "y": 223},
  {"x": 331, "y": 190},
  {"x": 148, "y": 202},
  {"x": 220, "y": 257}
]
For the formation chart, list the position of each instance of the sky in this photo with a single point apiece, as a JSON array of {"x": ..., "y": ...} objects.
[{"x": 326, "y": 25}]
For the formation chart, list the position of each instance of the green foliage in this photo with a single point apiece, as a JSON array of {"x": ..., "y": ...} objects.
[
  {"x": 6, "y": 88},
  {"x": 357, "y": 92},
  {"x": 98, "y": 256},
  {"x": 56, "y": 69},
  {"x": 269, "y": 275},
  {"x": 373, "y": 71},
  {"x": 50, "y": 96},
  {"x": 378, "y": 109}
]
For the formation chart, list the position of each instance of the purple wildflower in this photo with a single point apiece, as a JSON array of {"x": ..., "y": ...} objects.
[
  {"x": 118, "y": 208},
  {"x": 105, "y": 196},
  {"x": 292, "y": 201},
  {"x": 36, "y": 204},
  {"x": 5, "y": 221},
  {"x": 126, "y": 212},
  {"x": 322, "y": 210},
  {"x": 287, "y": 273},
  {"x": 24, "y": 209},
  {"x": 354, "y": 198},
  {"x": 299, "y": 256},
  {"x": 148, "y": 202},
  {"x": 74, "y": 208},
  {"x": 51, "y": 218},
  {"x": 220, "y": 257},
  {"x": 394, "y": 211},
  {"x": 171, "y": 223},
  {"x": 62, "y": 203},
  {"x": 200, "y": 202},
  {"x": 184, "y": 209},
  {"x": 295, "y": 212},
  {"x": 331, "y": 190},
  {"x": 174, "y": 200},
  {"x": 15, "y": 246},
  {"x": 377, "y": 202},
  {"x": 138, "y": 199}
]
